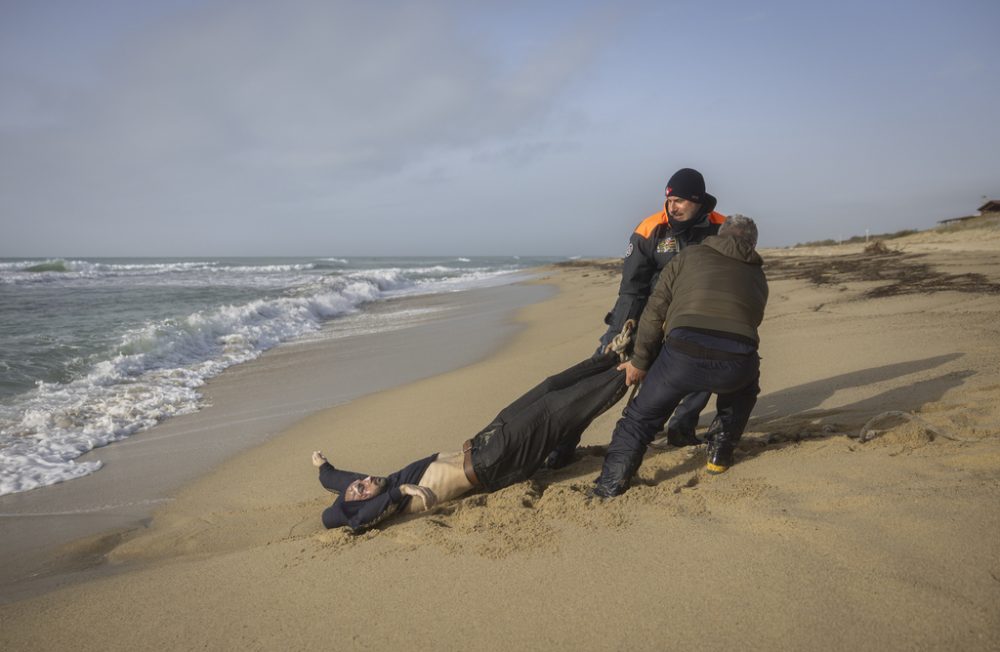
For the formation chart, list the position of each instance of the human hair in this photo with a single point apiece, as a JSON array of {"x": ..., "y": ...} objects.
[{"x": 740, "y": 227}]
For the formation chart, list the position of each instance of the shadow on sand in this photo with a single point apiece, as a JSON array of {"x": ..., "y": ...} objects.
[{"x": 791, "y": 415}]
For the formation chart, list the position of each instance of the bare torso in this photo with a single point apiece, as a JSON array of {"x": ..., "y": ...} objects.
[{"x": 445, "y": 477}]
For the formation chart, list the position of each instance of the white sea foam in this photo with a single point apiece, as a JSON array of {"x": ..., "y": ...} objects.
[
  {"x": 155, "y": 375},
  {"x": 158, "y": 368},
  {"x": 68, "y": 271}
]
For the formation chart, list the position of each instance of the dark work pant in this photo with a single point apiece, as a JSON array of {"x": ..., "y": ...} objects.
[
  {"x": 673, "y": 376},
  {"x": 686, "y": 414}
]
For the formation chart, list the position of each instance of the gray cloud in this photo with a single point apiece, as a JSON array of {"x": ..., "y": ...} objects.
[
  {"x": 223, "y": 111},
  {"x": 183, "y": 127}
]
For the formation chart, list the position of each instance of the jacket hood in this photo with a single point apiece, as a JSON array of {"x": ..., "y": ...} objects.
[
  {"x": 709, "y": 204},
  {"x": 700, "y": 220},
  {"x": 733, "y": 248}
]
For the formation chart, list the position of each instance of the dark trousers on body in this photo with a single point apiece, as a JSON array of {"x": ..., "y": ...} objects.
[
  {"x": 555, "y": 411},
  {"x": 675, "y": 374}
]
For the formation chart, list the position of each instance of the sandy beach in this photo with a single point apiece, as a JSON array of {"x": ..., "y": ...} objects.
[
  {"x": 818, "y": 538},
  {"x": 245, "y": 406}
]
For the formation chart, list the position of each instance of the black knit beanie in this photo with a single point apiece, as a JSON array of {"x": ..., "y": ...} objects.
[{"x": 687, "y": 184}]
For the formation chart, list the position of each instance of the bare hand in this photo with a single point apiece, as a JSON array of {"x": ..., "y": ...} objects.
[
  {"x": 633, "y": 375},
  {"x": 318, "y": 458},
  {"x": 428, "y": 497}
]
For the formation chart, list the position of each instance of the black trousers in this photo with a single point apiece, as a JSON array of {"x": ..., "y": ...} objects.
[
  {"x": 673, "y": 376},
  {"x": 685, "y": 414},
  {"x": 514, "y": 445}
]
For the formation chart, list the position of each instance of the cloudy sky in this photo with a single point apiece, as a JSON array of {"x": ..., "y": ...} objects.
[{"x": 326, "y": 127}]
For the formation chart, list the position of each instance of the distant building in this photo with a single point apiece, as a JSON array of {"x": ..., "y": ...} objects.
[{"x": 992, "y": 206}]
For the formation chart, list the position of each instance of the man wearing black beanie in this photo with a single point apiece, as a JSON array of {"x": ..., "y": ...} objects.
[{"x": 687, "y": 218}]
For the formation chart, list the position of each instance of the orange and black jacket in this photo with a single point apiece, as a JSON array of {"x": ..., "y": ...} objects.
[{"x": 653, "y": 244}]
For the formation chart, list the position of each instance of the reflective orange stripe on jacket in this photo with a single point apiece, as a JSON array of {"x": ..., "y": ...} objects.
[{"x": 648, "y": 225}]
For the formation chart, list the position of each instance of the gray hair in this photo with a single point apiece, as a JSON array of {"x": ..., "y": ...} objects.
[{"x": 740, "y": 227}]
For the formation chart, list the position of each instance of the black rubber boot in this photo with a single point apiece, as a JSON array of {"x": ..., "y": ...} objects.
[
  {"x": 616, "y": 475},
  {"x": 720, "y": 455},
  {"x": 714, "y": 429},
  {"x": 682, "y": 439},
  {"x": 604, "y": 488}
]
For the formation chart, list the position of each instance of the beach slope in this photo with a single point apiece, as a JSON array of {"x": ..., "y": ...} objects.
[{"x": 863, "y": 511}]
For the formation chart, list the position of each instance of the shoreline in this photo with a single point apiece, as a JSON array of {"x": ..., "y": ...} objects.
[
  {"x": 55, "y": 535},
  {"x": 812, "y": 540}
]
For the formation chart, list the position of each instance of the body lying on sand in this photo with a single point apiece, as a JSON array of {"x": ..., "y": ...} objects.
[{"x": 508, "y": 450}]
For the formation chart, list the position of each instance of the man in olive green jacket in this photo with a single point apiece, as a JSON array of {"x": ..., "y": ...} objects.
[{"x": 708, "y": 302}]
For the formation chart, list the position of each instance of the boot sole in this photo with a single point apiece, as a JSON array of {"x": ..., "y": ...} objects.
[{"x": 715, "y": 469}]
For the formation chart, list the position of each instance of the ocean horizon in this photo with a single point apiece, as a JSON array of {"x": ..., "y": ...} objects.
[{"x": 98, "y": 349}]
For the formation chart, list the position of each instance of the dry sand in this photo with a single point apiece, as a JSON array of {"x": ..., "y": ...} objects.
[{"x": 815, "y": 539}]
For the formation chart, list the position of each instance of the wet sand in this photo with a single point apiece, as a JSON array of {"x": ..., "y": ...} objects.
[{"x": 815, "y": 539}]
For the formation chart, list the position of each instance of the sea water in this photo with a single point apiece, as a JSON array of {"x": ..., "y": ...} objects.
[{"x": 95, "y": 350}]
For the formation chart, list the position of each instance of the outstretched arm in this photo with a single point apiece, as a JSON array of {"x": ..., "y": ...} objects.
[{"x": 333, "y": 479}]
